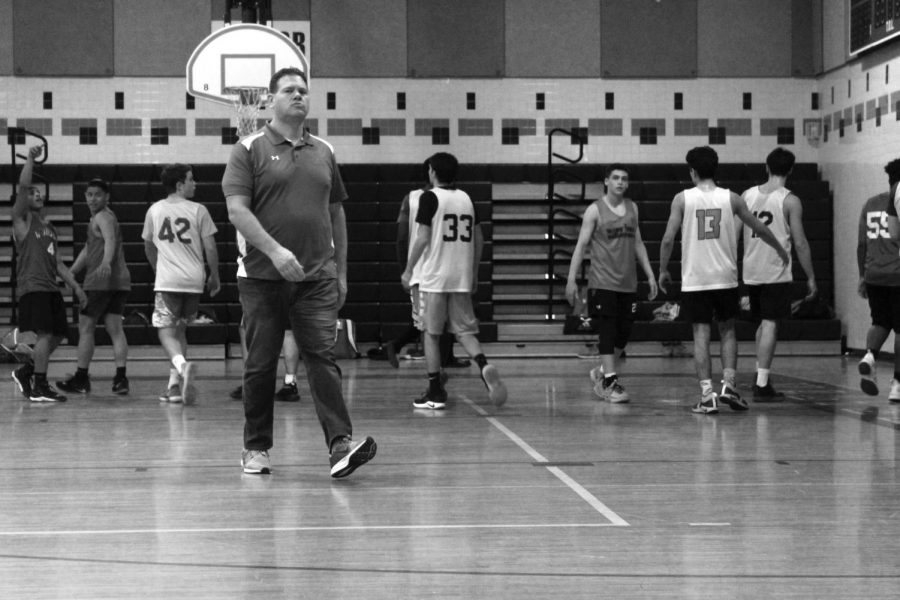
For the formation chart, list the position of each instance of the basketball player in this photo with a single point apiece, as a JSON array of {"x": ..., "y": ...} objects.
[
  {"x": 40, "y": 303},
  {"x": 709, "y": 279},
  {"x": 768, "y": 282},
  {"x": 106, "y": 283},
  {"x": 610, "y": 229},
  {"x": 285, "y": 197},
  {"x": 178, "y": 232},
  {"x": 878, "y": 258},
  {"x": 449, "y": 243}
]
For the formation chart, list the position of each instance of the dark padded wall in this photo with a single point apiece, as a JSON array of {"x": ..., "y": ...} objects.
[
  {"x": 63, "y": 37},
  {"x": 156, "y": 38},
  {"x": 737, "y": 38},
  {"x": 803, "y": 26},
  {"x": 282, "y": 10},
  {"x": 455, "y": 38},
  {"x": 358, "y": 39},
  {"x": 646, "y": 38},
  {"x": 558, "y": 40},
  {"x": 6, "y": 37}
]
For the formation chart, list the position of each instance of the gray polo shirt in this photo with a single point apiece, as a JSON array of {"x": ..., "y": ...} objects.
[{"x": 291, "y": 189}]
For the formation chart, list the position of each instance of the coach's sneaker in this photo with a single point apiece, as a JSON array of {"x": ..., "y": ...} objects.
[
  {"x": 42, "y": 392},
  {"x": 766, "y": 393},
  {"x": 172, "y": 394},
  {"x": 429, "y": 400},
  {"x": 496, "y": 388},
  {"x": 120, "y": 386},
  {"x": 613, "y": 392},
  {"x": 708, "y": 405},
  {"x": 347, "y": 455},
  {"x": 894, "y": 396},
  {"x": 188, "y": 389},
  {"x": 288, "y": 393},
  {"x": 256, "y": 462},
  {"x": 75, "y": 385},
  {"x": 866, "y": 368},
  {"x": 22, "y": 377},
  {"x": 730, "y": 397}
]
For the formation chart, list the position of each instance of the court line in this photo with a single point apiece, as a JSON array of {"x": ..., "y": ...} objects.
[{"x": 576, "y": 487}]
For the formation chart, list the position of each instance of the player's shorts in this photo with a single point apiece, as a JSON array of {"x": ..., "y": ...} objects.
[
  {"x": 704, "y": 306},
  {"x": 770, "y": 301},
  {"x": 609, "y": 303},
  {"x": 453, "y": 309},
  {"x": 43, "y": 313},
  {"x": 104, "y": 302},
  {"x": 414, "y": 304},
  {"x": 884, "y": 304},
  {"x": 173, "y": 308}
]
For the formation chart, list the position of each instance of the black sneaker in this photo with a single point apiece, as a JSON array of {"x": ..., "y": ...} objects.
[
  {"x": 347, "y": 456},
  {"x": 120, "y": 386},
  {"x": 45, "y": 393},
  {"x": 458, "y": 363},
  {"x": 75, "y": 385},
  {"x": 766, "y": 393},
  {"x": 392, "y": 355},
  {"x": 730, "y": 397},
  {"x": 433, "y": 401},
  {"x": 237, "y": 393},
  {"x": 22, "y": 377},
  {"x": 288, "y": 393}
]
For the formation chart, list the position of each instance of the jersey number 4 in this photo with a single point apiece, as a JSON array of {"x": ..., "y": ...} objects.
[
  {"x": 167, "y": 234},
  {"x": 457, "y": 227}
]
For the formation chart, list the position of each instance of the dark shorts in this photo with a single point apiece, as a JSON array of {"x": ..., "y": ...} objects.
[
  {"x": 104, "y": 302},
  {"x": 708, "y": 305},
  {"x": 607, "y": 303},
  {"x": 771, "y": 301},
  {"x": 884, "y": 304},
  {"x": 43, "y": 313}
]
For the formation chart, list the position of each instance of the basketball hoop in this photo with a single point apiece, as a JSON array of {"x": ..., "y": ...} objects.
[{"x": 247, "y": 102}]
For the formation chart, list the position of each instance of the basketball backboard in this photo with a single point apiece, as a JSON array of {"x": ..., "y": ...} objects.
[{"x": 240, "y": 56}]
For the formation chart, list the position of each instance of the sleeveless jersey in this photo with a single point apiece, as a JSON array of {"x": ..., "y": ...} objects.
[
  {"x": 882, "y": 253},
  {"x": 36, "y": 260},
  {"x": 708, "y": 241},
  {"x": 413, "y": 199},
  {"x": 612, "y": 249},
  {"x": 119, "y": 277},
  {"x": 177, "y": 229},
  {"x": 761, "y": 263},
  {"x": 446, "y": 265}
]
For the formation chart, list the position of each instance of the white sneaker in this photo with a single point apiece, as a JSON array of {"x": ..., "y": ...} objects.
[
  {"x": 496, "y": 388},
  {"x": 894, "y": 396},
  {"x": 597, "y": 380},
  {"x": 709, "y": 404},
  {"x": 188, "y": 388},
  {"x": 867, "y": 381},
  {"x": 614, "y": 393}
]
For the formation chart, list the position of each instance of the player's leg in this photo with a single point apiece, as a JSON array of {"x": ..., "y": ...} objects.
[
  {"x": 433, "y": 307},
  {"x": 113, "y": 323},
  {"x": 882, "y": 311},
  {"x": 698, "y": 309},
  {"x": 463, "y": 323},
  {"x": 52, "y": 329},
  {"x": 80, "y": 382},
  {"x": 727, "y": 307},
  {"x": 165, "y": 318},
  {"x": 289, "y": 391},
  {"x": 894, "y": 394}
]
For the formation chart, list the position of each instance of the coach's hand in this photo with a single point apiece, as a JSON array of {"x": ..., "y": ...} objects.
[{"x": 287, "y": 264}]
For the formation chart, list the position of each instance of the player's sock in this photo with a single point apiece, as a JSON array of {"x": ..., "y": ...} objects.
[
  {"x": 481, "y": 361},
  {"x": 434, "y": 383},
  {"x": 706, "y": 386},
  {"x": 728, "y": 376},
  {"x": 762, "y": 377}
]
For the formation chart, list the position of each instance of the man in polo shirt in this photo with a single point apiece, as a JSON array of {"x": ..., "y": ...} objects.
[{"x": 284, "y": 194}]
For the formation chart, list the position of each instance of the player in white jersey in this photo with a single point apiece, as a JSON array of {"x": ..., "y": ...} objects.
[
  {"x": 709, "y": 279},
  {"x": 449, "y": 244},
  {"x": 768, "y": 281},
  {"x": 177, "y": 233}
]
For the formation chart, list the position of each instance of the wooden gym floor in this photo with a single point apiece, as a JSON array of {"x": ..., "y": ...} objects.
[{"x": 555, "y": 495}]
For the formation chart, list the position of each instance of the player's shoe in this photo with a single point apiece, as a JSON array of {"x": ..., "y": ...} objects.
[
  {"x": 894, "y": 396},
  {"x": 597, "y": 380},
  {"x": 237, "y": 393},
  {"x": 75, "y": 385},
  {"x": 256, "y": 462},
  {"x": 434, "y": 401},
  {"x": 613, "y": 393},
  {"x": 766, "y": 393},
  {"x": 288, "y": 393},
  {"x": 866, "y": 368},
  {"x": 172, "y": 394},
  {"x": 730, "y": 397},
  {"x": 347, "y": 455},
  {"x": 188, "y": 389},
  {"x": 22, "y": 378},
  {"x": 392, "y": 355},
  {"x": 42, "y": 392},
  {"x": 120, "y": 386},
  {"x": 708, "y": 405},
  {"x": 496, "y": 389}
]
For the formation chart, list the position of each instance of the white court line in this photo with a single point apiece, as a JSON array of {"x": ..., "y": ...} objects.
[
  {"x": 576, "y": 487},
  {"x": 73, "y": 532}
]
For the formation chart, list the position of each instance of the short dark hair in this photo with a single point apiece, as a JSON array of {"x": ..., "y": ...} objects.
[
  {"x": 893, "y": 171},
  {"x": 174, "y": 174},
  {"x": 277, "y": 75},
  {"x": 99, "y": 182},
  {"x": 615, "y": 167},
  {"x": 703, "y": 160},
  {"x": 445, "y": 166},
  {"x": 780, "y": 162}
]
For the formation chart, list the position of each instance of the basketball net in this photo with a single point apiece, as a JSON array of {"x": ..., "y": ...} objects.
[{"x": 247, "y": 102}]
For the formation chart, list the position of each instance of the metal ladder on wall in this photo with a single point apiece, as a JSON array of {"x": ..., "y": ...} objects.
[{"x": 557, "y": 243}]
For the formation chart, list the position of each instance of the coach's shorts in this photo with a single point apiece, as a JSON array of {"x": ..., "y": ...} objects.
[
  {"x": 173, "y": 308},
  {"x": 43, "y": 313},
  {"x": 707, "y": 305},
  {"x": 770, "y": 301},
  {"x": 453, "y": 309},
  {"x": 104, "y": 302},
  {"x": 884, "y": 304}
]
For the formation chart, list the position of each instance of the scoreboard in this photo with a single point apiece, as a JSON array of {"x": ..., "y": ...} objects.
[{"x": 873, "y": 22}]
